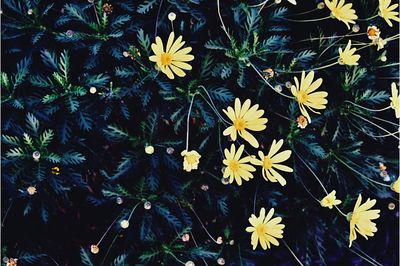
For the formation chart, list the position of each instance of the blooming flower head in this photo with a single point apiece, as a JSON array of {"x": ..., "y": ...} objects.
[
  {"x": 330, "y": 200},
  {"x": 380, "y": 43},
  {"x": 395, "y": 100},
  {"x": 305, "y": 96},
  {"x": 191, "y": 160},
  {"x": 347, "y": 57},
  {"x": 396, "y": 185},
  {"x": 388, "y": 12},
  {"x": 342, "y": 11},
  {"x": 361, "y": 219},
  {"x": 373, "y": 32},
  {"x": 237, "y": 168},
  {"x": 265, "y": 230},
  {"x": 245, "y": 118},
  {"x": 272, "y": 161},
  {"x": 171, "y": 60}
]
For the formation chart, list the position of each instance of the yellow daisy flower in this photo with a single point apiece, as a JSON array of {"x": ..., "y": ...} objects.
[
  {"x": 245, "y": 118},
  {"x": 265, "y": 230},
  {"x": 388, "y": 12},
  {"x": 342, "y": 11},
  {"x": 347, "y": 57},
  {"x": 395, "y": 100},
  {"x": 360, "y": 219},
  {"x": 330, "y": 200},
  {"x": 303, "y": 92},
  {"x": 396, "y": 185},
  {"x": 172, "y": 59},
  {"x": 236, "y": 167},
  {"x": 272, "y": 160},
  {"x": 191, "y": 160}
]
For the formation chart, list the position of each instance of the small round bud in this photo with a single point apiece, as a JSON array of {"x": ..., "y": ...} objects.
[
  {"x": 31, "y": 190},
  {"x": 91, "y": 1},
  {"x": 30, "y": 11},
  {"x": 391, "y": 206},
  {"x": 204, "y": 187},
  {"x": 221, "y": 261},
  {"x": 92, "y": 90},
  {"x": 232, "y": 242},
  {"x": 119, "y": 200},
  {"x": 171, "y": 16},
  {"x": 189, "y": 263},
  {"x": 219, "y": 240},
  {"x": 278, "y": 1},
  {"x": 355, "y": 28},
  {"x": 147, "y": 205},
  {"x": 69, "y": 33},
  {"x": 383, "y": 58},
  {"x": 185, "y": 237},
  {"x": 5, "y": 259},
  {"x": 170, "y": 150},
  {"x": 321, "y": 5},
  {"x": 278, "y": 88},
  {"x": 94, "y": 249},
  {"x": 225, "y": 180},
  {"x": 124, "y": 224},
  {"x": 36, "y": 156},
  {"x": 288, "y": 84},
  {"x": 386, "y": 178},
  {"x": 1, "y": 11},
  {"x": 125, "y": 54},
  {"x": 149, "y": 149}
]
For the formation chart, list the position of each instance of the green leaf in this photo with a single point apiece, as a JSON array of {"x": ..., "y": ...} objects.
[
  {"x": 32, "y": 122},
  {"x": 46, "y": 138}
]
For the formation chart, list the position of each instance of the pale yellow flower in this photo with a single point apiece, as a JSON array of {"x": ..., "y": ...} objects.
[
  {"x": 347, "y": 57},
  {"x": 245, "y": 118},
  {"x": 396, "y": 185},
  {"x": 171, "y": 59},
  {"x": 191, "y": 160},
  {"x": 380, "y": 43},
  {"x": 342, "y": 11},
  {"x": 361, "y": 219},
  {"x": 265, "y": 230},
  {"x": 272, "y": 161},
  {"x": 330, "y": 200},
  {"x": 305, "y": 96},
  {"x": 237, "y": 168},
  {"x": 395, "y": 100},
  {"x": 388, "y": 12}
]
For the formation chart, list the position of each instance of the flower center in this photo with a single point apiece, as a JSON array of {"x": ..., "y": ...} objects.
[
  {"x": 239, "y": 124},
  {"x": 191, "y": 159},
  {"x": 372, "y": 32},
  {"x": 166, "y": 59},
  {"x": 267, "y": 163},
  {"x": 261, "y": 229},
  {"x": 302, "y": 97},
  {"x": 234, "y": 165}
]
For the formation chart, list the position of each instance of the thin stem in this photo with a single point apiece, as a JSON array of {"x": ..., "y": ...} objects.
[
  {"x": 368, "y": 109},
  {"x": 359, "y": 127},
  {"x": 359, "y": 173},
  {"x": 291, "y": 251},
  {"x": 331, "y": 37},
  {"x": 332, "y": 44},
  {"x": 366, "y": 19},
  {"x": 222, "y": 21},
  {"x": 202, "y": 225},
  {"x": 266, "y": 81},
  {"x": 133, "y": 210},
  {"x": 108, "y": 229},
  {"x": 305, "y": 12},
  {"x": 187, "y": 122},
  {"x": 158, "y": 15},
  {"x": 95, "y": 12},
  {"x": 307, "y": 20},
  {"x": 364, "y": 258},
  {"x": 372, "y": 123},
  {"x": 178, "y": 260},
  {"x": 5, "y": 215},
  {"x": 262, "y": 6},
  {"x": 386, "y": 121},
  {"x": 366, "y": 255},
  {"x": 109, "y": 248},
  {"x": 255, "y": 198},
  {"x": 213, "y": 105}
]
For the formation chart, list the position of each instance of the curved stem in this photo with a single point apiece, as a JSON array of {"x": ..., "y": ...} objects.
[
  {"x": 188, "y": 121},
  {"x": 158, "y": 15},
  {"x": 291, "y": 251},
  {"x": 368, "y": 109},
  {"x": 178, "y": 260},
  {"x": 202, "y": 225},
  {"x": 133, "y": 210},
  {"x": 313, "y": 69},
  {"x": 372, "y": 135},
  {"x": 108, "y": 229},
  {"x": 307, "y": 20},
  {"x": 358, "y": 172},
  {"x": 366, "y": 19},
  {"x": 222, "y": 21},
  {"x": 5, "y": 215},
  {"x": 372, "y": 123},
  {"x": 266, "y": 81}
]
